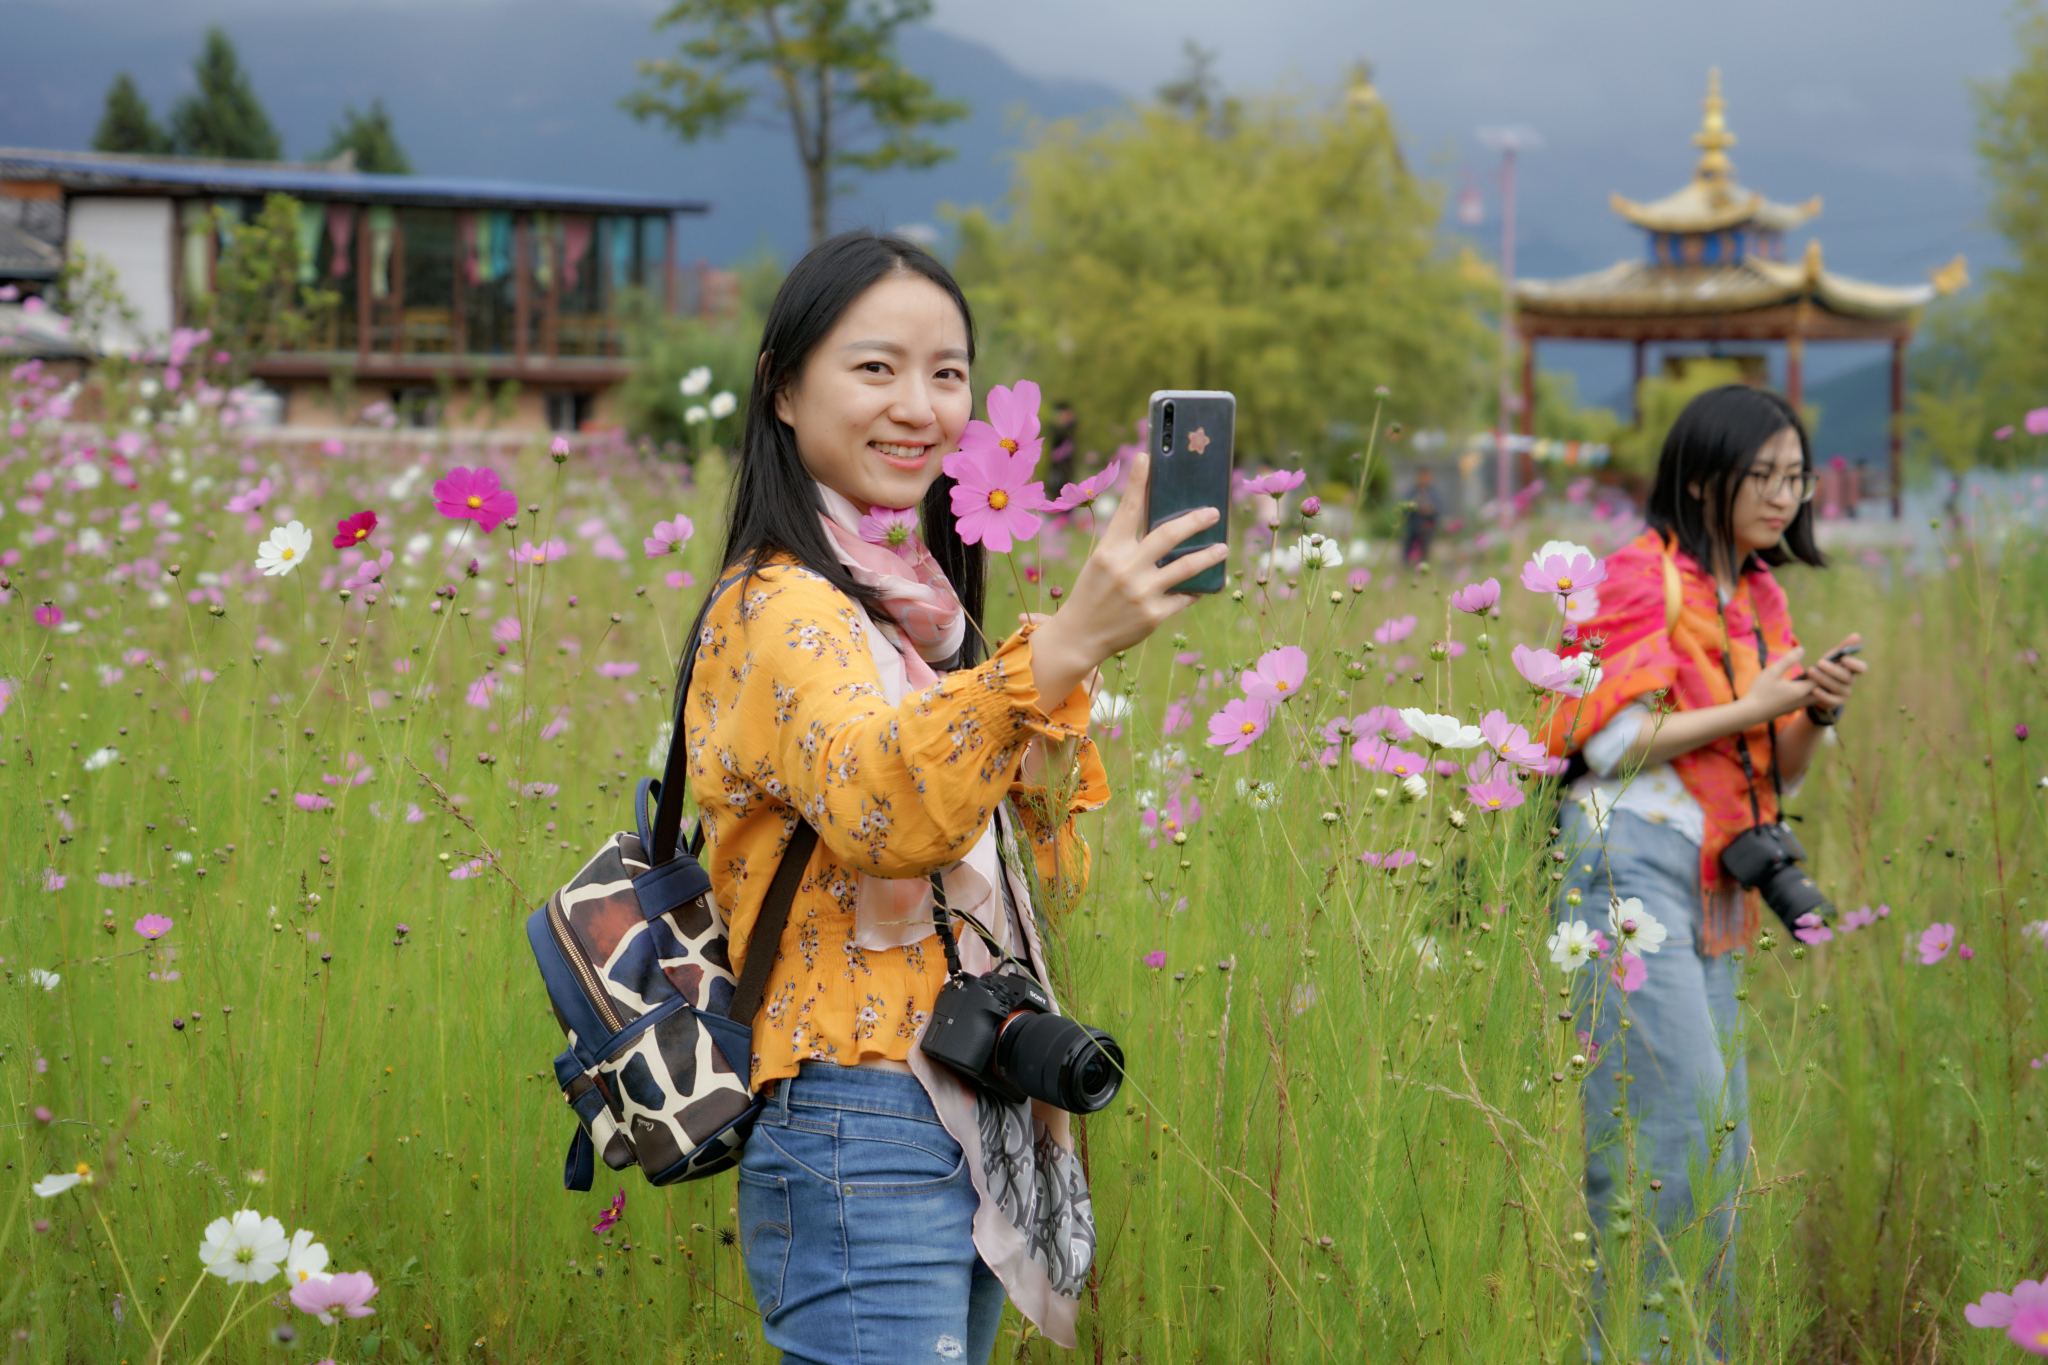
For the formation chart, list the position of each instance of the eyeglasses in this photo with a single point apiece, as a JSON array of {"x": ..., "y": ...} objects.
[{"x": 1770, "y": 485}]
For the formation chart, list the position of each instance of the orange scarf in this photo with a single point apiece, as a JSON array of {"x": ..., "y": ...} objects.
[{"x": 1660, "y": 626}]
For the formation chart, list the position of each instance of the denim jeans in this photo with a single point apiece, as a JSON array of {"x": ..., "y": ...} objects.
[
  {"x": 1683, "y": 1051},
  {"x": 857, "y": 1225}
]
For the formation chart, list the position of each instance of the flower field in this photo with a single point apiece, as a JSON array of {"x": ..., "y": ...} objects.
[{"x": 276, "y": 798}]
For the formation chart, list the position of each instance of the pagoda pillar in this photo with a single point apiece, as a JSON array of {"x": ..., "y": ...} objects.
[
  {"x": 1635, "y": 388},
  {"x": 1528, "y": 422},
  {"x": 1795, "y": 370}
]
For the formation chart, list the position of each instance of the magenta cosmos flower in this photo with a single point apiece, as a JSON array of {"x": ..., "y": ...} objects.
[
  {"x": 1563, "y": 568},
  {"x": 2037, "y": 422},
  {"x": 1394, "y": 630},
  {"x": 1274, "y": 484},
  {"x": 1277, "y": 676},
  {"x": 2029, "y": 1331},
  {"x": 612, "y": 1214},
  {"x": 49, "y": 618},
  {"x": 252, "y": 499},
  {"x": 1088, "y": 490},
  {"x": 668, "y": 536},
  {"x": 893, "y": 528},
  {"x": 1011, "y": 428},
  {"x": 1377, "y": 755},
  {"x": 1477, "y": 598},
  {"x": 1999, "y": 1310},
  {"x": 352, "y": 531},
  {"x": 1239, "y": 724},
  {"x": 1629, "y": 972},
  {"x": 1935, "y": 942},
  {"x": 310, "y": 802},
  {"x": 1170, "y": 819},
  {"x": 153, "y": 926},
  {"x": 995, "y": 503},
  {"x": 474, "y": 495},
  {"x": 1156, "y": 959},
  {"x": 1572, "y": 677},
  {"x": 344, "y": 1295}
]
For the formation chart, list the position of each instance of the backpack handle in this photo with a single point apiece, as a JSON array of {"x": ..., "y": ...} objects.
[{"x": 663, "y": 843}]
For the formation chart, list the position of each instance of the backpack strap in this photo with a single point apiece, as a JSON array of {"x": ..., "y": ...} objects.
[
  {"x": 662, "y": 844},
  {"x": 765, "y": 943}
]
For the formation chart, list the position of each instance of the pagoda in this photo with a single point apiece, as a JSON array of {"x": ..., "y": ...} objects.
[{"x": 1714, "y": 269}]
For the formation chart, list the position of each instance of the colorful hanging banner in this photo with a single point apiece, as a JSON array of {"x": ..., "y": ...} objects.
[
  {"x": 383, "y": 230},
  {"x": 312, "y": 218},
  {"x": 341, "y": 231}
]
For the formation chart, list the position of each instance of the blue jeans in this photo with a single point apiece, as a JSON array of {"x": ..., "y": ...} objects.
[
  {"x": 1683, "y": 1051},
  {"x": 857, "y": 1225}
]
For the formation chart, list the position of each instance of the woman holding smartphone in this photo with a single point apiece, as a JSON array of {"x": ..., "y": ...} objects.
[
  {"x": 886, "y": 1207},
  {"x": 1699, "y": 664}
]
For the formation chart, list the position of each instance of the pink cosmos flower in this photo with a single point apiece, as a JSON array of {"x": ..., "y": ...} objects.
[
  {"x": 1477, "y": 598},
  {"x": 668, "y": 536},
  {"x": 1277, "y": 676},
  {"x": 250, "y": 500},
  {"x": 48, "y": 617},
  {"x": 530, "y": 553},
  {"x": 1811, "y": 928},
  {"x": 153, "y": 926},
  {"x": 680, "y": 579},
  {"x": 892, "y": 527},
  {"x": 1861, "y": 917},
  {"x": 1394, "y": 861},
  {"x": 612, "y": 1214},
  {"x": 2029, "y": 1331},
  {"x": 1377, "y": 755},
  {"x": 2037, "y": 422},
  {"x": 1179, "y": 715},
  {"x": 117, "y": 880},
  {"x": 1999, "y": 1310},
  {"x": 1274, "y": 484},
  {"x": 2002, "y": 434},
  {"x": 1496, "y": 795},
  {"x": 506, "y": 630},
  {"x": 1629, "y": 973},
  {"x": 1966, "y": 952},
  {"x": 1572, "y": 677},
  {"x": 1935, "y": 942},
  {"x": 994, "y": 502},
  {"x": 1588, "y": 1046},
  {"x": 309, "y": 802},
  {"x": 369, "y": 573},
  {"x": 474, "y": 495},
  {"x": 1580, "y": 607},
  {"x": 1394, "y": 629},
  {"x": 1156, "y": 959},
  {"x": 556, "y": 724},
  {"x": 622, "y": 668},
  {"x": 1239, "y": 724},
  {"x": 479, "y": 692},
  {"x": 53, "y": 880},
  {"x": 1088, "y": 490},
  {"x": 1384, "y": 721},
  {"x": 344, "y": 1295},
  {"x": 1174, "y": 817},
  {"x": 1359, "y": 579},
  {"x": 462, "y": 872},
  {"x": 1563, "y": 568},
  {"x": 354, "y": 530},
  {"x": 1011, "y": 428},
  {"x": 537, "y": 791},
  {"x": 1511, "y": 741}
]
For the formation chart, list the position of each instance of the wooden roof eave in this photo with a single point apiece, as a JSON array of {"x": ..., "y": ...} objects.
[{"x": 1776, "y": 323}]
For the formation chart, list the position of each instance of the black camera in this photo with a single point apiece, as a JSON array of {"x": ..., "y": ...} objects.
[
  {"x": 1768, "y": 858},
  {"x": 999, "y": 1031}
]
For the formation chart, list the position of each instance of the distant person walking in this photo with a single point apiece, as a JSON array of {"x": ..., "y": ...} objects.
[{"x": 1420, "y": 529}]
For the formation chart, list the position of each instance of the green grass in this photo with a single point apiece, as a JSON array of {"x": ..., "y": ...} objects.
[{"x": 1328, "y": 1150}]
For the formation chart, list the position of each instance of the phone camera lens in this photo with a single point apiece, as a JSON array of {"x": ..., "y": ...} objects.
[{"x": 1166, "y": 430}]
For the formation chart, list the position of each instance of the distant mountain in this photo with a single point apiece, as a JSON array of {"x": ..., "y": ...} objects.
[{"x": 523, "y": 89}]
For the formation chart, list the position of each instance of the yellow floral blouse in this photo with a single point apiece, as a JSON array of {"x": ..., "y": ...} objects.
[{"x": 786, "y": 715}]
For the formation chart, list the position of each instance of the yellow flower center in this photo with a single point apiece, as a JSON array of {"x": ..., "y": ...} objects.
[
  {"x": 1564, "y": 585},
  {"x": 2041, "y": 1337},
  {"x": 285, "y": 553},
  {"x": 362, "y": 531},
  {"x": 999, "y": 499},
  {"x": 475, "y": 502},
  {"x": 1493, "y": 801},
  {"x": 84, "y": 1170},
  {"x": 1249, "y": 727},
  {"x": 1280, "y": 685},
  {"x": 540, "y": 556},
  {"x": 1007, "y": 444}
]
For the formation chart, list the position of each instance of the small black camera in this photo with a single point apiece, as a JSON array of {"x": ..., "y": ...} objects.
[
  {"x": 1768, "y": 858},
  {"x": 1000, "y": 1032}
]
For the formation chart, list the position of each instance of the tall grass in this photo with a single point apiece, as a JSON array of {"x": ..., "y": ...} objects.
[{"x": 1352, "y": 1128}]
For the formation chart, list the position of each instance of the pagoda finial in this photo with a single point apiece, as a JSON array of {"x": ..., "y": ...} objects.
[{"x": 1713, "y": 139}]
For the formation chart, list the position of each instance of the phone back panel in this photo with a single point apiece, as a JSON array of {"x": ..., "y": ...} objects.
[{"x": 1191, "y": 457}]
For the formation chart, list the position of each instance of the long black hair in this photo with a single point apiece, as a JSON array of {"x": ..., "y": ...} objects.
[
  {"x": 774, "y": 506},
  {"x": 1714, "y": 443}
]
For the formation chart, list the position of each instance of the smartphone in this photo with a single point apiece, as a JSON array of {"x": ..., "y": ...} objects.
[
  {"x": 1191, "y": 434},
  {"x": 1844, "y": 652}
]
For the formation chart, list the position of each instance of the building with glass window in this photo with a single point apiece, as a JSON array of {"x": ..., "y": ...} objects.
[{"x": 450, "y": 289}]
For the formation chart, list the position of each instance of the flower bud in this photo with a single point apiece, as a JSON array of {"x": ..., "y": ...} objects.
[
  {"x": 559, "y": 448},
  {"x": 2019, "y": 732},
  {"x": 1439, "y": 651},
  {"x": 1574, "y": 897},
  {"x": 1311, "y": 505},
  {"x": 1413, "y": 788},
  {"x": 1354, "y": 670},
  {"x": 1459, "y": 819}
]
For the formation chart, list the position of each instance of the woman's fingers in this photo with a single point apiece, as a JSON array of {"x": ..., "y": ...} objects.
[
  {"x": 1177, "y": 571},
  {"x": 1167, "y": 534},
  {"x": 1128, "y": 521}
]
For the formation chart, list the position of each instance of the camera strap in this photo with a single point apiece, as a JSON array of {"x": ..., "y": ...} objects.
[
  {"x": 1763, "y": 657},
  {"x": 942, "y": 915}
]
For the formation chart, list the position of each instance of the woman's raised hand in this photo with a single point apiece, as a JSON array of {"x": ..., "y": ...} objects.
[
  {"x": 1773, "y": 694},
  {"x": 1832, "y": 678},
  {"x": 1123, "y": 594}
]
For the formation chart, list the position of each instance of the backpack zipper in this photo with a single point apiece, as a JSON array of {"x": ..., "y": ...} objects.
[{"x": 579, "y": 963}]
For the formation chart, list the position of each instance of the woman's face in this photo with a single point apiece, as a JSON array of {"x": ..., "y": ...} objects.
[
  {"x": 885, "y": 395},
  {"x": 1769, "y": 496}
]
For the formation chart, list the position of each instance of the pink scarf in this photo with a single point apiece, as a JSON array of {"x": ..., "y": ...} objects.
[{"x": 913, "y": 588}]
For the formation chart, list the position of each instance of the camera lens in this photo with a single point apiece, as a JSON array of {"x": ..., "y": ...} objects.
[
  {"x": 1166, "y": 429},
  {"x": 1791, "y": 893},
  {"x": 1053, "y": 1058}
]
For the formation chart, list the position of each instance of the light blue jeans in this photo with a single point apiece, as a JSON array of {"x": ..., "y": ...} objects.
[
  {"x": 857, "y": 1225},
  {"x": 1683, "y": 1051}
]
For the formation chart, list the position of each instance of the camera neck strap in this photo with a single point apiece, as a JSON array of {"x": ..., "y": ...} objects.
[
  {"x": 942, "y": 917},
  {"x": 1763, "y": 658}
]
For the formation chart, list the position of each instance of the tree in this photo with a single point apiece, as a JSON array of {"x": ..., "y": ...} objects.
[
  {"x": 258, "y": 304},
  {"x": 1288, "y": 256},
  {"x": 127, "y": 125},
  {"x": 370, "y": 137},
  {"x": 830, "y": 70},
  {"x": 223, "y": 118}
]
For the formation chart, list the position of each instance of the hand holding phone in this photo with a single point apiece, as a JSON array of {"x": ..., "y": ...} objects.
[
  {"x": 1192, "y": 432},
  {"x": 1832, "y": 678}
]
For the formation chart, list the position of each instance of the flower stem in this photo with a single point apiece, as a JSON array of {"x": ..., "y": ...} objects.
[{"x": 226, "y": 1322}]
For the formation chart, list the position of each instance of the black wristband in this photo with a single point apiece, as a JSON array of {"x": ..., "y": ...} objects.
[{"x": 1823, "y": 716}]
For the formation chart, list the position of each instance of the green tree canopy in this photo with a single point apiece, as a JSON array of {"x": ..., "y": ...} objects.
[
  {"x": 829, "y": 68},
  {"x": 127, "y": 125},
  {"x": 223, "y": 118},
  {"x": 369, "y": 136},
  {"x": 1286, "y": 254}
]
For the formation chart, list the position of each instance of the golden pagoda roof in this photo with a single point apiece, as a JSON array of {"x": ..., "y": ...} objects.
[
  {"x": 1645, "y": 289},
  {"x": 1714, "y": 201}
]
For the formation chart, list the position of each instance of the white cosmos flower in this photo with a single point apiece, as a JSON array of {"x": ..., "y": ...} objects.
[
  {"x": 1413, "y": 787},
  {"x": 1636, "y": 929},
  {"x": 50, "y": 1186},
  {"x": 1564, "y": 549},
  {"x": 1571, "y": 946},
  {"x": 244, "y": 1249},
  {"x": 101, "y": 758},
  {"x": 1427, "y": 953},
  {"x": 722, "y": 404},
  {"x": 1258, "y": 795},
  {"x": 696, "y": 381},
  {"x": 696, "y": 414},
  {"x": 285, "y": 550},
  {"x": 1318, "y": 551},
  {"x": 305, "y": 1260},
  {"x": 1442, "y": 732},
  {"x": 47, "y": 980},
  {"x": 1109, "y": 708}
]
